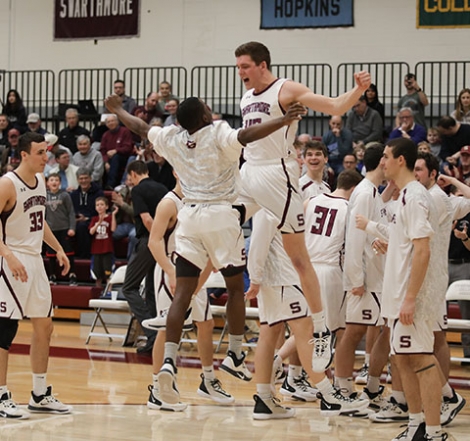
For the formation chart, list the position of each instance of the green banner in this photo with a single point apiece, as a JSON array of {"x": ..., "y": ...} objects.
[{"x": 443, "y": 13}]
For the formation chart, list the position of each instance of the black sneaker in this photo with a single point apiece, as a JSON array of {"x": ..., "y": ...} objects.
[
  {"x": 412, "y": 433},
  {"x": 53, "y": 279},
  {"x": 236, "y": 367},
  {"x": 270, "y": 409},
  {"x": 155, "y": 402},
  {"x": 450, "y": 407},
  {"x": 73, "y": 280},
  {"x": 213, "y": 389}
]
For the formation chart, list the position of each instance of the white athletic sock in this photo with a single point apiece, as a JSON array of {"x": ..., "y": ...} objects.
[
  {"x": 171, "y": 351},
  {"x": 264, "y": 391},
  {"x": 346, "y": 385},
  {"x": 3, "y": 390},
  {"x": 39, "y": 384},
  {"x": 319, "y": 324},
  {"x": 155, "y": 381},
  {"x": 399, "y": 396},
  {"x": 208, "y": 372},
  {"x": 235, "y": 344},
  {"x": 324, "y": 386},
  {"x": 433, "y": 431},
  {"x": 373, "y": 384},
  {"x": 447, "y": 391},
  {"x": 294, "y": 372},
  {"x": 415, "y": 419}
]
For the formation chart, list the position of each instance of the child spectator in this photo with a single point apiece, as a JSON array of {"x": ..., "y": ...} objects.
[
  {"x": 60, "y": 216},
  {"x": 101, "y": 229},
  {"x": 424, "y": 147},
  {"x": 434, "y": 140}
]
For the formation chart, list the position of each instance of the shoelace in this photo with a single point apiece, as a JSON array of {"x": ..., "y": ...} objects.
[
  {"x": 320, "y": 345},
  {"x": 51, "y": 399},
  {"x": 340, "y": 397},
  {"x": 364, "y": 372},
  {"x": 9, "y": 403},
  {"x": 217, "y": 386},
  {"x": 302, "y": 384}
]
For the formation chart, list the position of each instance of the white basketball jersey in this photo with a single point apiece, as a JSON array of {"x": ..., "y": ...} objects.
[
  {"x": 257, "y": 108},
  {"x": 22, "y": 228},
  {"x": 325, "y": 228},
  {"x": 170, "y": 245},
  {"x": 310, "y": 188}
]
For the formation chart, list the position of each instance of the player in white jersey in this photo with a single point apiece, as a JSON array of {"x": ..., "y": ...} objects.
[
  {"x": 205, "y": 156},
  {"x": 315, "y": 155},
  {"x": 162, "y": 245},
  {"x": 280, "y": 300},
  {"x": 363, "y": 276},
  {"x": 24, "y": 287},
  {"x": 408, "y": 299},
  {"x": 270, "y": 174}
]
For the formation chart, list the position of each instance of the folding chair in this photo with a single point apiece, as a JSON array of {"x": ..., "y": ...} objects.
[{"x": 459, "y": 290}]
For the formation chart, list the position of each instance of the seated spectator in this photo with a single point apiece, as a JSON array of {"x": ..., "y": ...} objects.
[
  {"x": 462, "y": 171},
  {"x": 66, "y": 171},
  {"x": 434, "y": 140},
  {"x": 350, "y": 162},
  {"x": 10, "y": 156},
  {"x": 171, "y": 108},
  {"x": 339, "y": 142},
  {"x": 160, "y": 170},
  {"x": 408, "y": 128},
  {"x": 364, "y": 122},
  {"x": 164, "y": 95},
  {"x": 34, "y": 124},
  {"x": 98, "y": 132},
  {"x": 359, "y": 151},
  {"x": 128, "y": 103},
  {"x": 150, "y": 109},
  {"x": 4, "y": 128},
  {"x": 89, "y": 158},
  {"x": 372, "y": 99},
  {"x": 454, "y": 136},
  {"x": 116, "y": 147},
  {"x": 83, "y": 199},
  {"x": 60, "y": 216},
  {"x": 125, "y": 227},
  {"x": 101, "y": 228},
  {"x": 15, "y": 111},
  {"x": 68, "y": 136},
  {"x": 303, "y": 138},
  {"x": 424, "y": 147},
  {"x": 462, "y": 107},
  {"x": 53, "y": 147}
]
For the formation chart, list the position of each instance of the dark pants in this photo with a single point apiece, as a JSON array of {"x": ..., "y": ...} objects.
[
  {"x": 82, "y": 240},
  {"x": 116, "y": 167},
  {"x": 141, "y": 265}
]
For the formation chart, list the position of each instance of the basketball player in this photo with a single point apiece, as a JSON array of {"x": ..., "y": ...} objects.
[
  {"x": 24, "y": 287},
  {"x": 270, "y": 175},
  {"x": 315, "y": 156},
  {"x": 205, "y": 157},
  {"x": 162, "y": 246}
]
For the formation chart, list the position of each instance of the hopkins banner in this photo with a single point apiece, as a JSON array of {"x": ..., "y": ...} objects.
[
  {"x": 282, "y": 14},
  {"x": 95, "y": 19},
  {"x": 443, "y": 14}
]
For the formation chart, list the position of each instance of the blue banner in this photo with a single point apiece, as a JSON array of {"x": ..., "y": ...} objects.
[{"x": 282, "y": 14}]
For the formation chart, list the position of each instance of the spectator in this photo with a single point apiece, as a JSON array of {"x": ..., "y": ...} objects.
[
  {"x": 339, "y": 142},
  {"x": 160, "y": 170},
  {"x": 171, "y": 107},
  {"x": 359, "y": 151},
  {"x": 128, "y": 103},
  {"x": 68, "y": 136},
  {"x": 424, "y": 147},
  {"x": 462, "y": 107},
  {"x": 89, "y": 158},
  {"x": 364, "y": 122},
  {"x": 102, "y": 251},
  {"x": 10, "y": 157},
  {"x": 434, "y": 140},
  {"x": 303, "y": 138},
  {"x": 415, "y": 98},
  {"x": 15, "y": 111},
  {"x": 372, "y": 99},
  {"x": 116, "y": 147},
  {"x": 454, "y": 136},
  {"x": 150, "y": 109},
  {"x": 83, "y": 199},
  {"x": 4, "y": 128},
  {"x": 66, "y": 171},
  {"x": 408, "y": 128},
  {"x": 99, "y": 130},
  {"x": 60, "y": 216},
  {"x": 350, "y": 162},
  {"x": 165, "y": 95},
  {"x": 34, "y": 124},
  {"x": 125, "y": 227}
]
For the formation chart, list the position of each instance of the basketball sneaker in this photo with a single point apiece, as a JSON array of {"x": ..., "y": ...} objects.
[
  {"x": 362, "y": 375},
  {"x": 451, "y": 407},
  {"x": 440, "y": 436},
  {"x": 155, "y": 402},
  {"x": 270, "y": 409},
  {"x": 9, "y": 409},
  {"x": 159, "y": 323},
  {"x": 278, "y": 372},
  {"x": 376, "y": 400},
  {"x": 298, "y": 389},
  {"x": 47, "y": 403},
  {"x": 236, "y": 367},
  {"x": 412, "y": 433},
  {"x": 322, "y": 357},
  {"x": 391, "y": 412},
  {"x": 335, "y": 403},
  {"x": 167, "y": 383},
  {"x": 213, "y": 389}
]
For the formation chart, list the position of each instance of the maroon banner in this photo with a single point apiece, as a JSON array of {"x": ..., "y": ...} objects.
[{"x": 94, "y": 19}]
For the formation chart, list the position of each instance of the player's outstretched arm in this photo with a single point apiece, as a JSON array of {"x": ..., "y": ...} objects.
[
  {"x": 114, "y": 104},
  {"x": 258, "y": 131}
]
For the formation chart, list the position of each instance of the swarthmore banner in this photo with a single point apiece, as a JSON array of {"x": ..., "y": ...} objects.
[{"x": 93, "y": 19}]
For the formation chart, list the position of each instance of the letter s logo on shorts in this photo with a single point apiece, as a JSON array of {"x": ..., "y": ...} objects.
[
  {"x": 405, "y": 341},
  {"x": 3, "y": 306}
]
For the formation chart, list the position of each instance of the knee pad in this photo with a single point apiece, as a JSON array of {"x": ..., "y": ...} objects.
[
  {"x": 184, "y": 268},
  {"x": 8, "y": 330}
]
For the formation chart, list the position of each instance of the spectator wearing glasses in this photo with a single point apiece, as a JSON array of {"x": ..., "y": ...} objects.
[
  {"x": 10, "y": 156},
  {"x": 364, "y": 122},
  {"x": 128, "y": 103},
  {"x": 408, "y": 128}
]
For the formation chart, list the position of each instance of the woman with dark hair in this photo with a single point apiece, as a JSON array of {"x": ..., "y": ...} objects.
[
  {"x": 372, "y": 99},
  {"x": 15, "y": 110}
]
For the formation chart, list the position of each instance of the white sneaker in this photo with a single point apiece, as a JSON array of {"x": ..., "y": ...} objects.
[
  {"x": 412, "y": 433},
  {"x": 321, "y": 358},
  {"x": 167, "y": 383},
  {"x": 388, "y": 378},
  {"x": 213, "y": 389},
  {"x": 278, "y": 373},
  {"x": 270, "y": 409},
  {"x": 362, "y": 375},
  {"x": 47, "y": 403},
  {"x": 391, "y": 412},
  {"x": 441, "y": 436},
  {"x": 155, "y": 402},
  {"x": 299, "y": 389},
  {"x": 236, "y": 367},
  {"x": 9, "y": 409},
  {"x": 159, "y": 323},
  {"x": 335, "y": 403},
  {"x": 376, "y": 400},
  {"x": 451, "y": 407}
]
